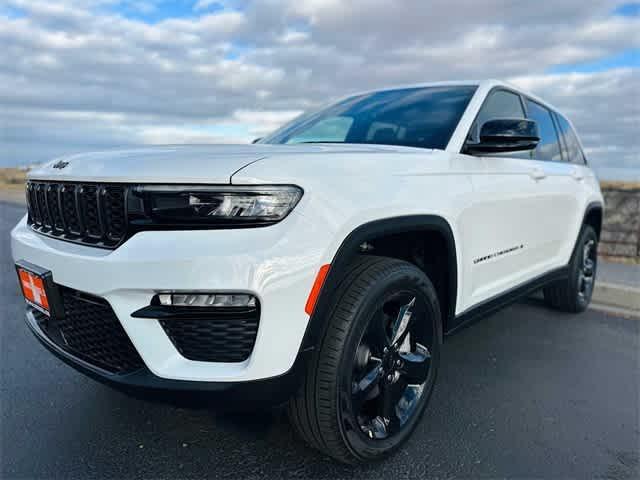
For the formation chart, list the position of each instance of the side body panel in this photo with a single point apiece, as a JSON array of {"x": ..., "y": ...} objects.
[{"x": 503, "y": 230}]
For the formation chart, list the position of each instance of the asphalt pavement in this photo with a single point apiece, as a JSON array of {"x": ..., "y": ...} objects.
[
  {"x": 527, "y": 392},
  {"x": 619, "y": 273}
]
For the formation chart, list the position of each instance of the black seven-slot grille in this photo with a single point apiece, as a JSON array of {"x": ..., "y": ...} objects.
[
  {"x": 92, "y": 214},
  {"x": 90, "y": 331},
  {"x": 214, "y": 334}
]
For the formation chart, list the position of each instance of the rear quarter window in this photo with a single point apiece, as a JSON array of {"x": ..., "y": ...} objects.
[{"x": 573, "y": 150}]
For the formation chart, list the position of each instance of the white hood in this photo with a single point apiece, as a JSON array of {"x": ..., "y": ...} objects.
[{"x": 177, "y": 163}]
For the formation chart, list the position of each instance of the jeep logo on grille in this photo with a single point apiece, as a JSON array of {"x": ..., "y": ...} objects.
[{"x": 60, "y": 164}]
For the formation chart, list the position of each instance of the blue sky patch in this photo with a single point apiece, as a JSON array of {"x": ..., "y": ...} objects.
[
  {"x": 153, "y": 11},
  {"x": 11, "y": 12},
  {"x": 628, "y": 9}
]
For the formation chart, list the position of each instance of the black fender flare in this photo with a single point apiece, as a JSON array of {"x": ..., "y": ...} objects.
[
  {"x": 350, "y": 247},
  {"x": 591, "y": 207}
]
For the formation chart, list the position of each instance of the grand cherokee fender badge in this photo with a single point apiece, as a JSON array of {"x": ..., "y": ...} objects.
[
  {"x": 60, "y": 165},
  {"x": 497, "y": 254}
]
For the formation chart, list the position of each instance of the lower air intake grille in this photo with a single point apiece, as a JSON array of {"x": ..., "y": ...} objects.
[
  {"x": 91, "y": 331},
  {"x": 225, "y": 335}
]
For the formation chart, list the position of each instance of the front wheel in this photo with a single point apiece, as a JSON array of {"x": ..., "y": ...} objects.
[{"x": 369, "y": 382}]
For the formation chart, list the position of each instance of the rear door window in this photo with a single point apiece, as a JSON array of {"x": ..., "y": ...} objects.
[{"x": 549, "y": 146}]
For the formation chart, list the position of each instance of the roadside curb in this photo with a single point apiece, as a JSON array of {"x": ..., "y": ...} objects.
[
  {"x": 617, "y": 296},
  {"x": 615, "y": 311}
]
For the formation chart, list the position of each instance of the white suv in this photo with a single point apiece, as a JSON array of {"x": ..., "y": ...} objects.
[{"x": 320, "y": 266}]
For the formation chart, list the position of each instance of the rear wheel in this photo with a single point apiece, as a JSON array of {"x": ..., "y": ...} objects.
[
  {"x": 574, "y": 293},
  {"x": 369, "y": 383}
]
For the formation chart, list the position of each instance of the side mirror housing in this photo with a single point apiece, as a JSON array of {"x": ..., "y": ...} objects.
[{"x": 505, "y": 135}]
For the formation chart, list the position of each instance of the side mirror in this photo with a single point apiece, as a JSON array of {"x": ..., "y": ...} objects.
[
  {"x": 505, "y": 135},
  {"x": 257, "y": 140}
]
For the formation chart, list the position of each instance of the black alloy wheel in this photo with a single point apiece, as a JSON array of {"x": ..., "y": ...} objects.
[
  {"x": 369, "y": 382},
  {"x": 587, "y": 271},
  {"x": 391, "y": 366}
]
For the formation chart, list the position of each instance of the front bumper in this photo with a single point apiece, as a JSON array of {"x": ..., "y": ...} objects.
[
  {"x": 143, "y": 383},
  {"x": 277, "y": 264}
]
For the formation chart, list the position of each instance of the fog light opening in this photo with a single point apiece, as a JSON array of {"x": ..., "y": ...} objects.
[{"x": 206, "y": 300}]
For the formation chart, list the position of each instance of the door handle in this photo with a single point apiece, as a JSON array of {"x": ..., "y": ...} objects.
[
  {"x": 537, "y": 173},
  {"x": 577, "y": 174}
]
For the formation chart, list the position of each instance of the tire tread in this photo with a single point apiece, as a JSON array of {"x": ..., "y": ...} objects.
[{"x": 562, "y": 294}]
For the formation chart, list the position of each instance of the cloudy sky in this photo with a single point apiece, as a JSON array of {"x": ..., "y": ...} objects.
[{"x": 83, "y": 75}]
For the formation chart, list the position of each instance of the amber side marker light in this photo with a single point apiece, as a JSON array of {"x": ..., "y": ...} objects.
[{"x": 315, "y": 290}]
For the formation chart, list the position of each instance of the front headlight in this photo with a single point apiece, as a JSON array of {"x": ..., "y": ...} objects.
[{"x": 211, "y": 206}]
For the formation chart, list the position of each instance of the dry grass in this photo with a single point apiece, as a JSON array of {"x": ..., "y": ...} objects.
[
  {"x": 12, "y": 184},
  {"x": 619, "y": 185},
  {"x": 12, "y": 177}
]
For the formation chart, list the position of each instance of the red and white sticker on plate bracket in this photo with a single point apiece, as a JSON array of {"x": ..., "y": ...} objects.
[{"x": 33, "y": 290}]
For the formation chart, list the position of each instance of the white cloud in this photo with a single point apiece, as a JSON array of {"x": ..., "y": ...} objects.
[
  {"x": 203, "y": 4},
  {"x": 74, "y": 76},
  {"x": 184, "y": 135}
]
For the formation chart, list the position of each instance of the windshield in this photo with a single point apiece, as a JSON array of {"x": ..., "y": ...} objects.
[{"x": 415, "y": 117}]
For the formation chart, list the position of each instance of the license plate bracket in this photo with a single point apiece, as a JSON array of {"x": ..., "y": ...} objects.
[{"x": 38, "y": 288}]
